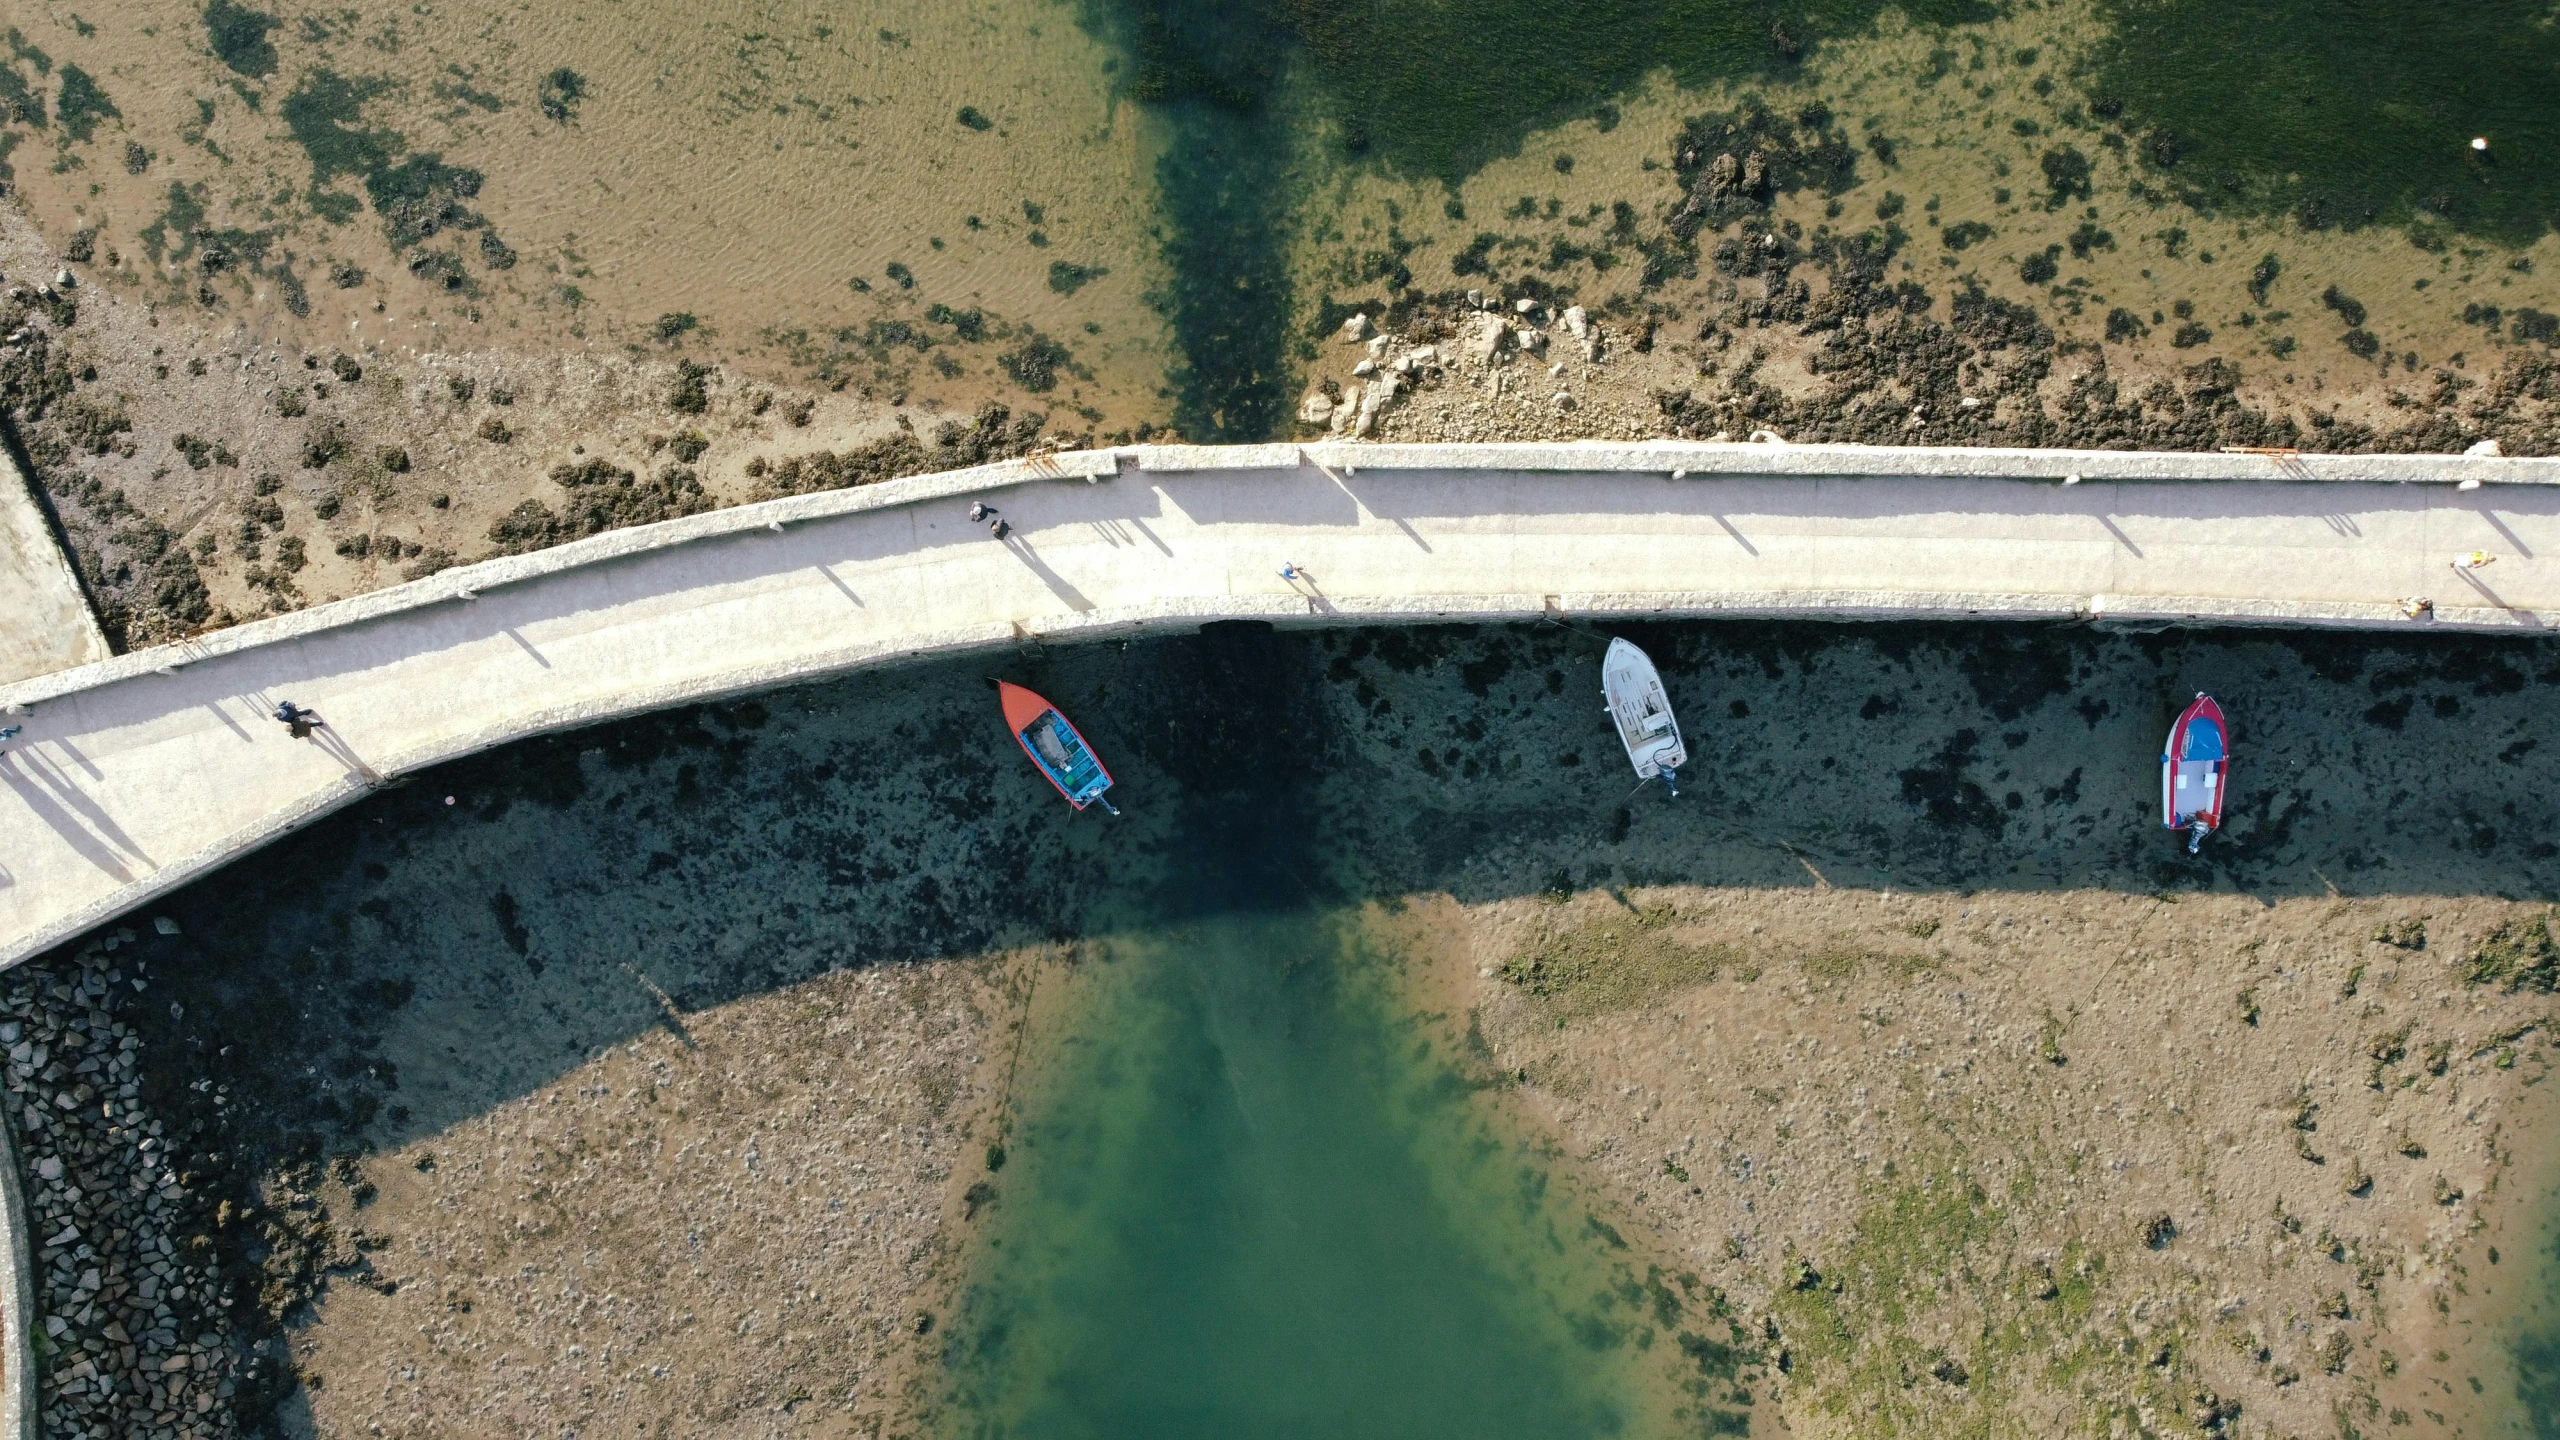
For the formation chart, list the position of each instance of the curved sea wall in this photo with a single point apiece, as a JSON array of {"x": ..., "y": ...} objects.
[{"x": 141, "y": 772}]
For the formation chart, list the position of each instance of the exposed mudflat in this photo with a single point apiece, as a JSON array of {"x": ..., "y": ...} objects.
[{"x": 2169, "y": 1160}]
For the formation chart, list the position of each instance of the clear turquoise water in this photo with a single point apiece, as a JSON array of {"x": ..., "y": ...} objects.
[{"x": 1252, "y": 1199}]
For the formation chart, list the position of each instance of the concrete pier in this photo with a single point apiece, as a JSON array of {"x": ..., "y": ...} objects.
[{"x": 141, "y": 772}]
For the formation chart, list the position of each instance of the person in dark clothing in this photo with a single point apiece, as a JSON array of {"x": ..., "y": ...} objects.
[{"x": 298, "y": 721}]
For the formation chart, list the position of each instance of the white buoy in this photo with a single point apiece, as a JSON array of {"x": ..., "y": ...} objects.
[{"x": 2479, "y": 142}]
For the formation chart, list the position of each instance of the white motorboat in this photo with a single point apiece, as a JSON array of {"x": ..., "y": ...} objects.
[{"x": 1642, "y": 713}]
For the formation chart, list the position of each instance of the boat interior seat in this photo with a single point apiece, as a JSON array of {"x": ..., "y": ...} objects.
[{"x": 1657, "y": 723}]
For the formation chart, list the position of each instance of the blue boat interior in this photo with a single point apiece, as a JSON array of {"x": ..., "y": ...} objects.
[
  {"x": 2204, "y": 740},
  {"x": 1060, "y": 751}
]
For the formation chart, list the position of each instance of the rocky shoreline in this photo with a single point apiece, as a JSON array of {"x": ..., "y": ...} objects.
[
  {"x": 136, "y": 1336},
  {"x": 1853, "y": 362}
]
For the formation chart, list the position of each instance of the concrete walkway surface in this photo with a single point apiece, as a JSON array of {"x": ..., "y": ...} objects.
[
  {"x": 144, "y": 771},
  {"x": 45, "y": 624}
]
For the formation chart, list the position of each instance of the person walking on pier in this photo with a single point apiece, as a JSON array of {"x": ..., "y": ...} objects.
[{"x": 298, "y": 721}]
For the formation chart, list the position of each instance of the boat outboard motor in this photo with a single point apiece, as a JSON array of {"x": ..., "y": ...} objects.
[
  {"x": 2196, "y": 832},
  {"x": 1671, "y": 778}
]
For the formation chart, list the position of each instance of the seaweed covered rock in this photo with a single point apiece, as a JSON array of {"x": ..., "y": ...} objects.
[
  {"x": 602, "y": 496},
  {"x": 1733, "y": 163},
  {"x": 994, "y": 433},
  {"x": 2518, "y": 955}
]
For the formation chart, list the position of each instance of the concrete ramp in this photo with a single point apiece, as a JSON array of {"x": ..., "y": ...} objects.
[{"x": 45, "y": 624}]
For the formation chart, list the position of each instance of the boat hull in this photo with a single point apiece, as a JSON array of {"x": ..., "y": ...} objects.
[
  {"x": 1640, "y": 710},
  {"x": 1055, "y": 746},
  {"x": 2195, "y": 768}
]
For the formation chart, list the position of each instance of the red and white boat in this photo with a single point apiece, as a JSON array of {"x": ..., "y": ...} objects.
[
  {"x": 2195, "y": 771},
  {"x": 1055, "y": 746}
]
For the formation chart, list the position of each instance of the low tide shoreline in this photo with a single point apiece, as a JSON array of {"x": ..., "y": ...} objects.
[{"x": 1927, "y": 871}]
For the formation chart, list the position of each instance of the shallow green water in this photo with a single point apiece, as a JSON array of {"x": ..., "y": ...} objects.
[
  {"x": 1251, "y": 1201},
  {"x": 2345, "y": 113}
]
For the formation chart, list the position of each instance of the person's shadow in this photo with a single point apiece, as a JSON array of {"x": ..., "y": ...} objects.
[{"x": 303, "y": 723}]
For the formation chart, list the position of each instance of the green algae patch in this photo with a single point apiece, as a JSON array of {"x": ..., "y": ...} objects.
[
  {"x": 325, "y": 114},
  {"x": 2343, "y": 114},
  {"x": 238, "y": 36},
  {"x": 418, "y": 197},
  {"x": 2518, "y": 955},
  {"x": 1631, "y": 955},
  {"x": 1614, "y": 963},
  {"x": 1439, "y": 89},
  {"x": 81, "y": 105},
  {"x": 1854, "y": 1327}
]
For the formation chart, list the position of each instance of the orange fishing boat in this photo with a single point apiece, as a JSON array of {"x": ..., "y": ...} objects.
[{"x": 1055, "y": 746}]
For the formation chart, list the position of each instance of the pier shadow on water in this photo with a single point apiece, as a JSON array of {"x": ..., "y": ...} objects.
[{"x": 1230, "y": 1128}]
